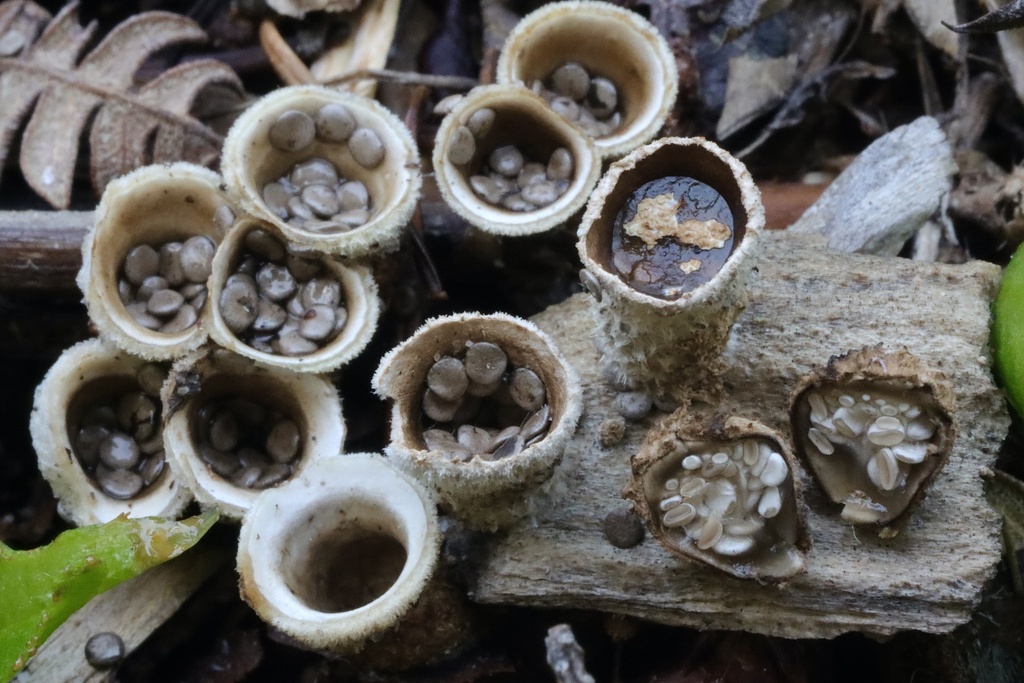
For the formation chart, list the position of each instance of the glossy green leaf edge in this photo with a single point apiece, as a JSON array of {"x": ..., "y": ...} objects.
[
  {"x": 41, "y": 588},
  {"x": 1008, "y": 331}
]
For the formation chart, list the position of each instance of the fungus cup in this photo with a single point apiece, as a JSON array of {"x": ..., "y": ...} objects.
[
  {"x": 629, "y": 70},
  {"x": 99, "y": 397},
  {"x": 233, "y": 429},
  {"x": 305, "y": 312},
  {"x": 509, "y": 165},
  {"x": 725, "y": 492},
  {"x": 487, "y": 452},
  {"x": 349, "y": 164},
  {"x": 343, "y": 560},
  {"x": 155, "y": 231},
  {"x": 875, "y": 428},
  {"x": 668, "y": 241}
]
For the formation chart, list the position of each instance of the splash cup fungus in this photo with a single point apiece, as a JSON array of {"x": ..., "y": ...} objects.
[
  {"x": 96, "y": 429},
  {"x": 332, "y": 171},
  {"x": 341, "y": 558},
  {"x": 725, "y": 492},
  {"x": 509, "y": 165},
  {"x": 668, "y": 241},
  {"x": 483, "y": 406},
  {"x": 301, "y": 311},
  {"x": 604, "y": 68},
  {"x": 234, "y": 429},
  {"x": 146, "y": 262},
  {"x": 875, "y": 428}
]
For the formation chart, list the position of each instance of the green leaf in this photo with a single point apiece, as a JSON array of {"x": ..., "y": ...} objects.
[
  {"x": 1008, "y": 331},
  {"x": 41, "y": 588}
]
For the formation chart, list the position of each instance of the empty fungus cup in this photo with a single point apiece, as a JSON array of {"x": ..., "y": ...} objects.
[
  {"x": 146, "y": 262},
  {"x": 338, "y": 557},
  {"x": 302, "y": 311},
  {"x": 509, "y": 165},
  {"x": 333, "y": 171},
  {"x": 483, "y": 407},
  {"x": 668, "y": 242},
  {"x": 875, "y": 428},
  {"x": 234, "y": 429},
  {"x": 96, "y": 429},
  {"x": 723, "y": 492},
  {"x": 605, "y": 68}
]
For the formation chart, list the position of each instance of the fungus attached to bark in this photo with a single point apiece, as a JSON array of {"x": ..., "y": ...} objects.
[
  {"x": 875, "y": 428},
  {"x": 724, "y": 492},
  {"x": 668, "y": 242},
  {"x": 483, "y": 408}
]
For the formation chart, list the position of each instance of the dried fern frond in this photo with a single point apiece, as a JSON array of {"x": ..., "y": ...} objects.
[{"x": 44, "y": 78}]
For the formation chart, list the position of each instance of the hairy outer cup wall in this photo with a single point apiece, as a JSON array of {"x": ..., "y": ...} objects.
[
  {"x": 249, "y": 162},
  {"x": 310, "y": 400},
  {"x": 670, "y": 346},
  {"x": 485, "y": 493},
  {"x": 337, "y": 500},
  {"x": 608, "y": 41},
  {"x": 152, "y": 205},
  {"x": 90, "y": 365}
]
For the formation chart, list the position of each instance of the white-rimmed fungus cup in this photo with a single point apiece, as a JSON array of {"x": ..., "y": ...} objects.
[
  {"x": 483, "y": 407},
  {"x": 301, "y": 311},
  {"x": 333, "y": 171},
  {"x": 233, "y": 429},
  {"x": 96, "y": 429},
  {"x": 602, "y": 67},
  {"x": 146, "y": 262},
  {"x": 337, "y": 557},
  {"x": 669, "y": 241},
  {"x": 509, "y": 165}
]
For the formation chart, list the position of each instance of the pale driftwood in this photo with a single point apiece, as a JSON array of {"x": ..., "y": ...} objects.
[
  {"x": 887, "y": 193},
  {"x": 132, "y": 610},
  {"x": 41, "y": 249},
  {"x": 806, "y": 305}
]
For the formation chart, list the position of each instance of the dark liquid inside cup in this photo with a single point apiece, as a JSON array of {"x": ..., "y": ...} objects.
[{"x": 669, "y": 268}]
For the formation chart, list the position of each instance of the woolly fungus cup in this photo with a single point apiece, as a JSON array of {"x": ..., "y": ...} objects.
[
  {"x": 483, "y": 408},
  {"x": 725, "y": 492},
  {"x": 233, "y": 429},
  {"x": 146, "y": 262},
  {"x": 333, "y": 171},
  {"x": 604, "y": 68},
  {"x": 95, "y": 427},
  {"x": 338, "y": 557},
  {"x": 668, "y": 242},
  {"x": 509, "y": 165},
  {"x": 875, "y": 428},
  {"x": 302, "y": 311}
]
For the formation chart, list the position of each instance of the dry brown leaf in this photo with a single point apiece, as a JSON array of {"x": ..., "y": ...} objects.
[{"x": 45, "y": 79}]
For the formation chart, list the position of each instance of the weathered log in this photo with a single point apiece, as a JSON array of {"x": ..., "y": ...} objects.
[
  {"x": 806, "y": 305},
  {"x": 41, "y": 249}
]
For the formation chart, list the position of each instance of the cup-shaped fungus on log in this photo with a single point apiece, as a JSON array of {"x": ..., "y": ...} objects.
[
  {"x": 725, "y": 492},
  {"x": 146, "y": 262},
  {"x": 342, "y": 558},
  {"x": 483, "y": 406},
  {"x": 875, "y": 428},
  {"x": 669, "y": 241},
  {"x": 509, "y": 165},
  {"x": 333, "y": 171},
  {"x": 605, "y": 68},
  {"x": 96, "y": 428},
  {"x": 234, "y": 429},
  {"x": 303, "y": 311}
]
